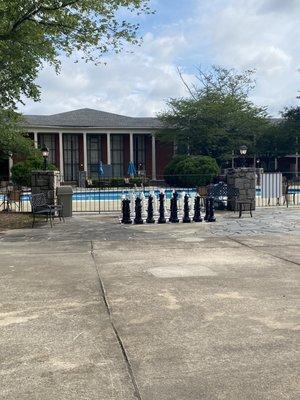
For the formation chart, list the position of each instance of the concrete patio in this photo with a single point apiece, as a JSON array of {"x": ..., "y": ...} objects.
[{"x": 95, "y": 310}]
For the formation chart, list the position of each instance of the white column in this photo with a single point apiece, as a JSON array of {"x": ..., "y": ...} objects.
[
  {"x": 131, "y": 147},
  {"x": 153, "y": 158},
  {"x": 85, "y": 166},
  {"x": 10, "y": 165},
  {"x": 108, "y": 149},
  {"x": 35, "y": 138},
  {"x": 174, "y": 148},
  {"x": 61, "y": 155},
  {"x": 276, "y": 164}
]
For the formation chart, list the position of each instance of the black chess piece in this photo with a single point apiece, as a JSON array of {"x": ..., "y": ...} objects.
[
  {"x": 126, "y": 219},
  {"x": 197, "y": 210},
  {"x": 174, "y": 209},
  {"x": 150, "y": 219},
  {"x": 161, "y": 219},
  {"x": 138, "y": 220},
  {"x": 186, "y": 210},
  {"x": 211, "y": 217}
]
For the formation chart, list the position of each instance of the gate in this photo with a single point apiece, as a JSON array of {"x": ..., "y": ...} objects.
[{"x": 277, "y": 189}]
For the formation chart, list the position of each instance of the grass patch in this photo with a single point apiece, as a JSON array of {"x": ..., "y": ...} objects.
[{"x": 10, "y": 220}]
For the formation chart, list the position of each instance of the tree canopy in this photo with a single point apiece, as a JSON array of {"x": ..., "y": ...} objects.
[
  {"x": 36, "y": 31},
  {"x": 283, "y": 137},
  {"x": 217, "y": 117},
  {"x": 12, "y": 139}
]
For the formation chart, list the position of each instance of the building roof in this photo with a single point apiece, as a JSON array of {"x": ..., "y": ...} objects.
[{"x": 89, "y": 118}]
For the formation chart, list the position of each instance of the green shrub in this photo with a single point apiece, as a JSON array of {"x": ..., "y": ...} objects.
[
  {"x": 191, "y": 171},
  {"x": 139, "y": 181},
  {"x": 21, "y": 172}
]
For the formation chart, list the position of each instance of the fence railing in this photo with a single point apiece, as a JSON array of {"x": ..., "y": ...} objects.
[
  {"x": 271, "y": 190},
  {"x": 277, "y": 189},
  {"x": 110, "y": 199}
]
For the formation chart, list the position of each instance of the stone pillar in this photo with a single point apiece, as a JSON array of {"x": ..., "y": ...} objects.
[
  {"x": 243, "y": 179},
  {"x": 45, "y": 182}
]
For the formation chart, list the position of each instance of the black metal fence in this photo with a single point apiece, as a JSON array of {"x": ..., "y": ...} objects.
[
  {"x": 275, "y": 189},
  {"x": 110, "y": 199}
]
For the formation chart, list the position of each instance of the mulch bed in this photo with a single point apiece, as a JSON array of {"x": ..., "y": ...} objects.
[{"x": 11, "y": 220}]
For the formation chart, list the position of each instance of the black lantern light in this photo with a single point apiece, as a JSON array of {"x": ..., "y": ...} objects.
[
  {"x": 243, "y": 152},
  {"x": 45, "y": 154}
]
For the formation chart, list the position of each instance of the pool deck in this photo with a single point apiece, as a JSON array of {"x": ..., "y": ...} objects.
[{"x": 92, "y": 309}]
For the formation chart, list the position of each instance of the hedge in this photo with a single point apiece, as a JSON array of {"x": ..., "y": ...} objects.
[{"x": 191, "y": 171}]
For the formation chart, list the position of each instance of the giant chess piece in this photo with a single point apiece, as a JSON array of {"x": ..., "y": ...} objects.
[
  {"x": 150, "y": 219},
  {"x": 174, "y": 209},
  {"x": 211, "y": 217},
  {"x": 197, "y": 210},
  {"x": 161, "y": 219},
  {"x": 126, "y": 212},
  {"x": 186, "y": 210},
  {"x": 206, "y": 209},
  {"x": 138, "y": 220}
]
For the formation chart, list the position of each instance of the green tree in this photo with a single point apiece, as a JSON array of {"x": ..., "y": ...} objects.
[
  {"x": 36, "y": 31},
  {"x": 290, "y": 129},
  {"x": 12, "y": 139},
  {"x": 217, "y": 117},
  {"x": 21, "y": 172},
  {"x": 281, "y": 138},
  {"x": 191, "y": 171}
]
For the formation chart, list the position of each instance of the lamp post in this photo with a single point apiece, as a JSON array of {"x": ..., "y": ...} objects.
[
  {"x": 45, "y": 154},
  {"x": 243, "y": 152}
]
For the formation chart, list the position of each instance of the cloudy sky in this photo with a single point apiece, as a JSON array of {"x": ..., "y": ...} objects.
[{"x": 257, "y": 34}]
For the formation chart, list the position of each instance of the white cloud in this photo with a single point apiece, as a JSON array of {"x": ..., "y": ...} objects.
[
  {"x": 259, "y": 34},
  {"x": 135, "y": 84}
]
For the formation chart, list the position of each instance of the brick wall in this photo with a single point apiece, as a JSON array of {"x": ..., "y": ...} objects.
[{"x": 164, "y": 154}]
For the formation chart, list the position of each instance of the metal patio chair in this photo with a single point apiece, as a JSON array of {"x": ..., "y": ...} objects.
[{"x": 39, "y": 206}]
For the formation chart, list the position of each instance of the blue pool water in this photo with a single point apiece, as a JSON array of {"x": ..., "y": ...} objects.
[
  {"x": 103, "y": 195},
  {"x": 117, "y": 195}
]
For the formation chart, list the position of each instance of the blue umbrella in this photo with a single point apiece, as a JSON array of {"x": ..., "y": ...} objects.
[
  {"x": 100, "y": 170},
  {"x": 131, "y": 169}
]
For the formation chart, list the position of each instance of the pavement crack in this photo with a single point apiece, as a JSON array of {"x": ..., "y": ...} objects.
[
  {"x": 259, "y": 249},
  {"x": 115, "y": 330}
]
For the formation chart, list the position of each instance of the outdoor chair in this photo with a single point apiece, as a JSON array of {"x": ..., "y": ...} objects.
[
  {"x": 242, "y": 205},
  {"x": 288, "y": 197},
  {"x": 222, "y": 194},
  {"x": 39, "y": 206}
]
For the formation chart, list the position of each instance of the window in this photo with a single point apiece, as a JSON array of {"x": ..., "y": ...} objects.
[
  {"x": 117, "y": 158},
  {"x": 71, "y": 157},
  {"x": 139, "y": 151},
  {"x": 48, "y": 139},
  {"x": 93, "y": 155}
]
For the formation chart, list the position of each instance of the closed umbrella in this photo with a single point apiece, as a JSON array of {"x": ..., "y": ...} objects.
[
  {"x": 100, "y": 170},
  {"x": 131, "y": 169}
]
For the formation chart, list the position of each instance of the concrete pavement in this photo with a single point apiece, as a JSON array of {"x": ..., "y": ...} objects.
[{"x": 95, "y": 310}]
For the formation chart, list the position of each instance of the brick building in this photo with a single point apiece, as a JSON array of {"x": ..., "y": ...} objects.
[{"x": 79, "y": 140}]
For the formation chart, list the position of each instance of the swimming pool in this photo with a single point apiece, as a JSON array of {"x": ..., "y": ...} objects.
[{"x": 102, "y": 194}]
